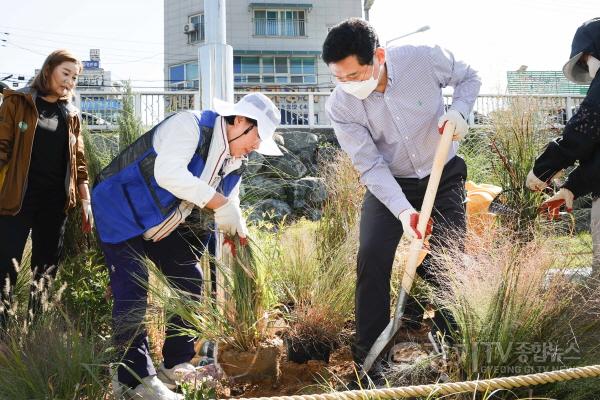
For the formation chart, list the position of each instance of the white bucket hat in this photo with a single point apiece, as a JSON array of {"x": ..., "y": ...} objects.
[{"x": 260, "y": 108}]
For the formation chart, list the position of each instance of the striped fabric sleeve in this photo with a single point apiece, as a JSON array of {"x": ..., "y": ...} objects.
[{"x": 375, "y": 174}]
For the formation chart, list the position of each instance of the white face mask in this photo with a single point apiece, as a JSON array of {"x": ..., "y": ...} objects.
[
  {"x": 362, "y": 89},
  {"x": 593, "y": 66}
]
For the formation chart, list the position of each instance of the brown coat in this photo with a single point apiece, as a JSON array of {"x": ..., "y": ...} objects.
[{"x": 18, "y": 121}]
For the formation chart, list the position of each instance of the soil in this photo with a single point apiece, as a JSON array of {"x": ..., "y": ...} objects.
[
  {"x": 412, "y": 348},
  {"x": 252, "y": 366},
  {"x": 311, "y": 377}
]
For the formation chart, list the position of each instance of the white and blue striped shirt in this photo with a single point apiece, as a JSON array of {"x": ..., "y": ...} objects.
[{"x": 395, "y": 134}]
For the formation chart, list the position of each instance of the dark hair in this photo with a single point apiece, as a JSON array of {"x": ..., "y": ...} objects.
[
  {"x": 230, "y": 119},
  {"x": 41, "y": 82},
  {"x": 354, "y": 36}
]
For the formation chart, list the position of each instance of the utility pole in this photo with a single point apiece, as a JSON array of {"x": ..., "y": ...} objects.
[
  {"x": 215, "y": 56},
  {"x": 215, "y": 62}
]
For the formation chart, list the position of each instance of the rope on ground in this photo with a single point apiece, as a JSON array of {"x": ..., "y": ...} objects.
[{"x": 510, "y": 382}]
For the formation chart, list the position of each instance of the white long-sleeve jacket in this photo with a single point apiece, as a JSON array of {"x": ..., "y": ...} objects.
[{"x": 175, "y": 142}]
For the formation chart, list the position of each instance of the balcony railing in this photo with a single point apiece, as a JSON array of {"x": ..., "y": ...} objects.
[{"x": 277, "y": 27}]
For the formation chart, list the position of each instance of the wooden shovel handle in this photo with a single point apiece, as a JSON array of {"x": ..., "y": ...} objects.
[{"x": 439, "y": 161}]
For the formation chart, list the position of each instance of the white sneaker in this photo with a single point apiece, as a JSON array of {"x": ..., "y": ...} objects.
[
  {"x": 117, "y": 388},
  {"x": 152, "y": 388},
  {"x": 171, "y": 377}
]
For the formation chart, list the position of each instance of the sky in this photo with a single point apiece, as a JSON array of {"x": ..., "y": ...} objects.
[
  {"x": 491, "y": 36},
  {"x": 129, "y": 34}
]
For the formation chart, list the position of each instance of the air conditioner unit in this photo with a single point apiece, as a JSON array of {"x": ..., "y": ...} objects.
[{"x": 189, "y": 28}]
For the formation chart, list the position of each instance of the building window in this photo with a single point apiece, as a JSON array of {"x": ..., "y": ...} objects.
[
  {"x": 274, "y": 70},
  {"x": 184, "y": 76},
  {"x": 279, "y": 23},
  {"x": 197, "y": 35}
]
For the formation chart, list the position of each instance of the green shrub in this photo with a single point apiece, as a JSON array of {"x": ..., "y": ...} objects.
[
  {"x": 518, "y": 136},
  {"x": 475, "y": 150},
  {"x": 86, "y": 280},
  {"x": 341, "y": 210},
  {"x": 55, "y": 358},
  {"x": 129, "y": 125},
  {"x": 513, "y": 317},
  {"x": 238, "y": 318}
]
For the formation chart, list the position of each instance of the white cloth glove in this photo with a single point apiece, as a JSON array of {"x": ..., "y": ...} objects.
[
  {"x": 460, "y": 125},
  {"x": 229, "y": 219},
  {"x": 410, "y": 219},
  {"x": 88, "y": 216},
  {"x": 534, "y": 183}
]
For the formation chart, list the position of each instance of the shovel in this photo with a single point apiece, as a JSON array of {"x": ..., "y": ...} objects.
[{"x": 387, "y": 335}]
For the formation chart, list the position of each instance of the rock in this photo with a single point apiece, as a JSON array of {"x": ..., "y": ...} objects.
[
  {"x": 579, "y": 219},
  {"x": 577, "y": 275},
  {"x": 255, "y": 163},
  {"x": 288, "y": 166},
  {"x": 308, "y": 193},
  {"x": 328, "y": 136},
  {"x": 300, "y": 141},
  {"x": 270, "y": 209},
  {"x": 325, "y": 155},
  {"x": 304, "y": 146},
  {"x": 259, "y": 187},
  {"x": 583, "y": 219},
  {"x": 312, "y": 214}
]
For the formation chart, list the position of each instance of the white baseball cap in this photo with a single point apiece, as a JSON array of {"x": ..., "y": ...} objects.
[{"x": 260, "y": 108}]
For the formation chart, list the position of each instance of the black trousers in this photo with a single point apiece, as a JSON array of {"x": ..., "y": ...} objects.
[
  {"x": 380, "y": 233},
  {"x": 47, "y": 226},
  {"x": 177, "y": 257}
]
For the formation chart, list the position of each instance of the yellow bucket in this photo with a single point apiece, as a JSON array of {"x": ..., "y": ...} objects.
[{"x": 479, "y": 198}]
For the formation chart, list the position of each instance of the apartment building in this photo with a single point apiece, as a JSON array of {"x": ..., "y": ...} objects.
[{"x": 276, "y": 46}]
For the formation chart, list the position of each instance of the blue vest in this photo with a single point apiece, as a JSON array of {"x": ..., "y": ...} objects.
[{"x": 126, "y": 199}]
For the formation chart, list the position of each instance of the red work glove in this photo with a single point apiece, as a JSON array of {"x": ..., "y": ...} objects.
[
  {"x": 410, "y": 219},
  {"x": 551, "y": 207},
  {"x": 231, "y": 243}
]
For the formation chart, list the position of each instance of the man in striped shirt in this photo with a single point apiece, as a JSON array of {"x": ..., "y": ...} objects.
[{"x": 386, "y": 110}]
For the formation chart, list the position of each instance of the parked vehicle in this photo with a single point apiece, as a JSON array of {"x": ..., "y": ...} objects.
[{"x": 96, "y": 123}]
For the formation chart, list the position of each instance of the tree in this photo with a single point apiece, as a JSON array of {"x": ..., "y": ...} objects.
[{"x": 129, "y": 125}]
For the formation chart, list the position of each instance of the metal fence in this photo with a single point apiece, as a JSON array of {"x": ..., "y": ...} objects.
[
  {"x": 298, "y": 109},
  {"x": 557, "y": 108},
  {"x": 101, "y": 110}
]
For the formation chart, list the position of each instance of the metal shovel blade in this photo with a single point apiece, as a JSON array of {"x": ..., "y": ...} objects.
[{"x": 385, "y": 339}]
